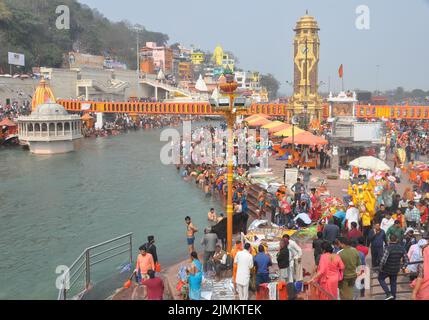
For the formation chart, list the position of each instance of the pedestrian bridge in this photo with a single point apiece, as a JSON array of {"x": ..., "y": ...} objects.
[
  {"x": 191, "y": 108},
  {"x": 271, "y": 109}
]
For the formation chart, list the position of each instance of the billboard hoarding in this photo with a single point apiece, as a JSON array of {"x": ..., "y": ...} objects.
[
  {"x": 80, "y": 60},
  {"x": 16, "y": 59},
  {"x": 369, "y": 132}
]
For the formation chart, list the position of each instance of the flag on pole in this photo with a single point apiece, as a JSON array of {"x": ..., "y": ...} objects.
[{"x": 341, "y": 71}]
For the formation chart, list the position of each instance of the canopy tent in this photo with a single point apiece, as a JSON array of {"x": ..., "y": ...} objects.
[
  {"x": 87, "y": 117},
  {"x": 201, "y": 85},
  {"x": 6, "y": 122},
  {"x": 160, "y": 76},
  {"x": 306, "y": 138},
  {"x": 370, "y": 163},
  {"x": 276, "y": 126},
  {"x": 256, "y": 116},
  {"x": 288, "y": 132},
  {"x": 258, "y": 122}
]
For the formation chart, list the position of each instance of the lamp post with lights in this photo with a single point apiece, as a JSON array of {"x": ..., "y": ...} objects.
[{"x": 231, "y": 106}]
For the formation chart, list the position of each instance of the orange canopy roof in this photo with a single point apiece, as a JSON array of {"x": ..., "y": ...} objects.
[
  {"x": 256, "y": 116},
  {"x": 276, "y": 126},
  {"x": 306, "y": 138},
  {"x": 6, "y": 122},
  {"x": 86, "y": 116},
  {"x": 258, "y": 122}
]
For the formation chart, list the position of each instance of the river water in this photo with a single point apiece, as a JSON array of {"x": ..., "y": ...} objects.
[{"x": 53, "y": 207}]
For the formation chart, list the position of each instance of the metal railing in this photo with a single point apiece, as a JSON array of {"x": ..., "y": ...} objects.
[
  {"x": 82, "y": 266},
  {"x": 314, "y": 291}
]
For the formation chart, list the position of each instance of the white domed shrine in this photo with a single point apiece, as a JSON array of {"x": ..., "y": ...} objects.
[{"x": 50, "y": 129}]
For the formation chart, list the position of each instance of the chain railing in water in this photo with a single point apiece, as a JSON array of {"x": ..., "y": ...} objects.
[{"x": 82, "y": 266}]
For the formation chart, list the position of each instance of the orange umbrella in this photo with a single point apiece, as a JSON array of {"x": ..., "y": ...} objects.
[
  {"x": 256, "y": 116},
  {"x": 6, "y": 122},
  {"x": 258, "y": 122},
  {"x": 276, "y": 126},
  {"x": 306, "y": 138}
]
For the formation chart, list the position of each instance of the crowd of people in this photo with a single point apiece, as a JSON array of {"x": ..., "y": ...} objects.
[{"x": 14, "y": 110}]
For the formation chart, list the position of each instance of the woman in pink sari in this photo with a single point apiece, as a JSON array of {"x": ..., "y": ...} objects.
[
  {"x": 421, "y": 284},
  {"x": 329, "y": 273}
]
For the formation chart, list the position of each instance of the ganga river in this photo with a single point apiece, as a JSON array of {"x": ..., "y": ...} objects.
[{"x": 53, "y": 207}]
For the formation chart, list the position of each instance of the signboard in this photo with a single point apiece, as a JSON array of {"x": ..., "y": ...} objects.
[
  {"x": 342, "y": 110},
  {"x": 369, "y": 132},
  {"x": 80, "y": 60},
  {"x": 16, "y": 59},
  {"x": 290, "y": 177},
  {"x": 112, "y": 64},
  {"x": 99, "y": 122}
]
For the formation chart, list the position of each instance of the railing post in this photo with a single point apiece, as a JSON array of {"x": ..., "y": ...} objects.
[
  {"x": 87, "y": 269},
  {"x": 131, "y": 249}
]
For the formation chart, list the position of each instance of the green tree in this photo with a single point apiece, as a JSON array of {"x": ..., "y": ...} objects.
[{"x": 271, "y": 83}]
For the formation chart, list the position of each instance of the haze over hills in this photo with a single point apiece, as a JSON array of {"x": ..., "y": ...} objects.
[{"x": 28, "y": 27}]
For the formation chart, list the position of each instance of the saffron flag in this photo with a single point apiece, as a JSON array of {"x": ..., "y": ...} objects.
[{"x": 341, "y": 71}]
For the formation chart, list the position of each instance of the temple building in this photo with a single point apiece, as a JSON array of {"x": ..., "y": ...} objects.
[
  {"x": 306, "y": 99},
  {"x": 49, "y": 129}
]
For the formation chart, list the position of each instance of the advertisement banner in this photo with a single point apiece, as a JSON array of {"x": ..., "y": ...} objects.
[
  {"x": 80, "y": 60},
  {"x": 16, "y": 59}
]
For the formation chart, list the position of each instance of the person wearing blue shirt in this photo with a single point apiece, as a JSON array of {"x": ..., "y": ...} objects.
[
  {"x": 340, "y": 218},
  {"x": 262, "y": 262}
]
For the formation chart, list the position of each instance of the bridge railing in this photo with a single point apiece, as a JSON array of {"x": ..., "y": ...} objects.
[{"x": 79, "y": 274}]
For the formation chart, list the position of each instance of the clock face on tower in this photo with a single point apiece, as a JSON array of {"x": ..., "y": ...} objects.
[{"x": 304, "y": 49}]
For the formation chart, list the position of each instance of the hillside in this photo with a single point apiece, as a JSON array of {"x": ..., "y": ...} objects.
[{"x": 28, "y": 27}]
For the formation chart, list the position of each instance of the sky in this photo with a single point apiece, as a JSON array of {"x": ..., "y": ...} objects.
[{"x": 260, "y": 34}]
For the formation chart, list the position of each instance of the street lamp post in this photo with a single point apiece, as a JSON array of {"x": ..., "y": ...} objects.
[{"x": 229, "y": 107}]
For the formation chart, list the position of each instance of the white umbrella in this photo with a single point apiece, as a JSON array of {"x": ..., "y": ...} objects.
[{"x": 370, "y": 163}]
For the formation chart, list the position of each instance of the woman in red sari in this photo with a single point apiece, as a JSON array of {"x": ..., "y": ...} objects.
[
  {"x": 421, "y": 284},
  {"x": 329, "y": 273},
  {"x": 316, "y": 206}
]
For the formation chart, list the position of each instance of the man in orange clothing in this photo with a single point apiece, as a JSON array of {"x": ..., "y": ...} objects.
[
  {"x": 238, "y": 247},
  {"x": 144, "y": 264}
]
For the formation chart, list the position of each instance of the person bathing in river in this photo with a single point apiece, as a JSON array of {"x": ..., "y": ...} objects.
[{"x": 190, "y": 234}]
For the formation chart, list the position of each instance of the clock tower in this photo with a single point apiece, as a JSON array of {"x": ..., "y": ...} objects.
[{"x": 306, "y": 60}]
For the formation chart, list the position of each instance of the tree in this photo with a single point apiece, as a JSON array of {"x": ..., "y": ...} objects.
[
  {"x": 418, "y": 93},
  {"x": 28, "y": 27},
  {"x": 271, "y": 83},
  {"x": 399, "y": 93}
]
